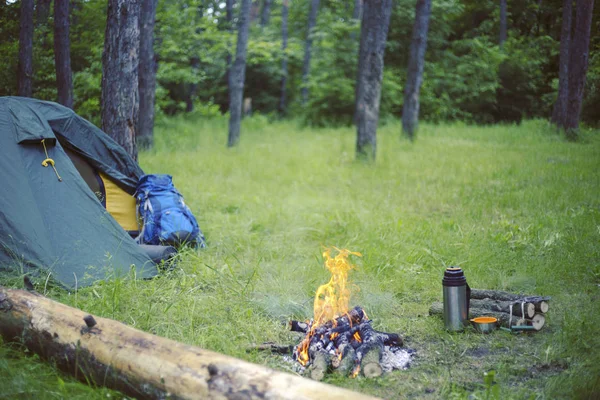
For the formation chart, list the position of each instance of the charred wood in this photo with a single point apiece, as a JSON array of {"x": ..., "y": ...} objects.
[
  {"x": 298, "y": 326},
  {"x": 319, "y": 366},
  {"x": 272, "y": 347},
  {"x": 344, "y": 362}
]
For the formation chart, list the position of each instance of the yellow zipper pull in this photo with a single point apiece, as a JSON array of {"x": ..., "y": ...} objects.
[{"x": 49, "y": 161}]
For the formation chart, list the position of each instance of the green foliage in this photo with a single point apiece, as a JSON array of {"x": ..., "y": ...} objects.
[
  {"x": 333, "y": 73},
  {"x": 463, "y": 85},
  {"x": 467, "y": 76}
]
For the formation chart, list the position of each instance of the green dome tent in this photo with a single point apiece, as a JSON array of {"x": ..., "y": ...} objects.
[{"x": 51, "y": 222}]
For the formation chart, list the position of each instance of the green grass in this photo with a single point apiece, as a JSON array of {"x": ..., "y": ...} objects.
[{"x": 517, "y": 207}]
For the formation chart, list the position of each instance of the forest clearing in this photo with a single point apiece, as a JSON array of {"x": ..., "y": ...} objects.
[
  {"x": 299, "y": 199},
  {"x": 515, "y": 206}
]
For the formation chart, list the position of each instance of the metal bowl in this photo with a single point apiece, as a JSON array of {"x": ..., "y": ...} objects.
[{"x": 485, "y": 324}]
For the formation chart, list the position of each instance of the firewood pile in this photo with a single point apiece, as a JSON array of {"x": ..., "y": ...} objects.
[
  {"x": 348, "y": 345},
  {"x": 513, "y": 311}
]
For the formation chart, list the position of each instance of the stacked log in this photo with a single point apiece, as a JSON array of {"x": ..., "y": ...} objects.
[
  {"x": 526, "y": 310},
  {"x": 347, "y": 345}
]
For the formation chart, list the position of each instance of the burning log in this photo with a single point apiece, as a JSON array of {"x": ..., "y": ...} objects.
[
  {"x": 319, "y": 365},
  {"x": 346, "y": 343},
  {"x": 109, "y": 353},
  {"x": 297, "y": 326},
  {"x": 339, "y": 338},
  {"x": 344, "y": 362},
  {"x": 370, "y": 351}
]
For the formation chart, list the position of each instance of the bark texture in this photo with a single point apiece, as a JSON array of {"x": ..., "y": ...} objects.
[
  {"x": 109, "y": 353},
  {"x": 503, "y": 24},
  {"x": 356, "y": 16},
  {"x": 237, "y": 75},
  {"x": 266, "y": 13},
  {"x": 284, "y": 59},
  {"x": 578, "y": 64},
  {"x": 229, "y": 18},
  {"x": 373, "y": 36},
  {"x": 42, "y": 11},
  {"x": 147, "y": 75},
  {"x": 25, "y": 69},
  {"x": 62, "y": 53},
  {"x": 120, "y": 92},
  {"x": 418, "y": 46},
  {"x": 560, "y": 107},
  {"x": 312, "y": 21}
]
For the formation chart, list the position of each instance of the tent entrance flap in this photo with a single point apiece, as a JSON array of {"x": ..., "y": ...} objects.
[{"x": 120, "y": 204}]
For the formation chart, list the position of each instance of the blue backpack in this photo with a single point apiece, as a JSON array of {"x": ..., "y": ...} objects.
[{"x": 165, "y": 216}]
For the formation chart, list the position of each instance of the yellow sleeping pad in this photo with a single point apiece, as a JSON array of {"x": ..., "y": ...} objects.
[{"x": 120, "y": 204}]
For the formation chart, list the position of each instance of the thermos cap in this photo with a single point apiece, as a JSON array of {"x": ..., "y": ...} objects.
[{"x": 454, "y": 277}]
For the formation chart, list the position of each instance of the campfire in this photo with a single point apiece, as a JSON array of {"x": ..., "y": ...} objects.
[{"x": 340, "y": 339}]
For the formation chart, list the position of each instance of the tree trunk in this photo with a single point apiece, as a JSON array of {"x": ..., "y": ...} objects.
[
  {"x": 503, "y": 25},
  {"x": 106, "y": 352},
  {"x": 254, "y": 11},
  {"x": 357, "y": 12},
  {"x": 560, "y": 107},
  {"x": 193, "y": 87},
  {"x": 42, "y": 12},
  {"x": 312, "y": 21},
  {"x": 578, "y": 64},
  {"x": 25, "y": 70},
  {"x": 229, "y": 18},
  {"x": 119, "y": 100},
  {"x": 237, "y": 76},
  {"x": 147, "y": 75},
  {"x": 418, "y": 45},
  {"x": 266, "y": 13},
  {"x": 284, "y": 59},
  {"x": 62, "y": 53},
  {"x": 373, "y": 36}
]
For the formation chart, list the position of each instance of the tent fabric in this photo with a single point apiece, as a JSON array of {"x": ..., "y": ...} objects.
[
  {"x": 57, "y": 227},
  {"x": 120, "y": 204}
]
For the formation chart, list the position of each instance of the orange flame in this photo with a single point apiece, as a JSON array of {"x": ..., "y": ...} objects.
[{"x": 331, "y": 299}]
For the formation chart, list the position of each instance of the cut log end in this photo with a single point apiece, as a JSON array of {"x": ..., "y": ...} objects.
[
  {"x": 542, "y": 307},
  {"x": 538, "y": 321},
  {"x": 372, "y": 369}
]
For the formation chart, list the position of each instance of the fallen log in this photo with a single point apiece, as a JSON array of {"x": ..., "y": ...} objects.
[
  {"x": 504, "y": 306},
  {"x": 108, "y": 353}
]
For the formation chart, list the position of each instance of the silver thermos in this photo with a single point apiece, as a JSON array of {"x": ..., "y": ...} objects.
[{"x": 456, "y": 299}]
